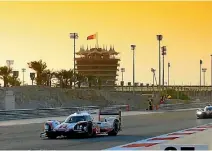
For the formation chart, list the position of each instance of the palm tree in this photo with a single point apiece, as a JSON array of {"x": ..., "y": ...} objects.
[
  {"x": 65, "y": 77},
  {"x": 99, "y": 81},
  {"x": 38, "y": 67},
  {"x": 13, "y": 81},
  {"x": 4, "y": 74},
  {"x": 58, "y": 75},
  {"x": 46, "y": 77},
  {"x": 70, "y": 77},
  {"x": 80, "y": 78},
  {"x": 90, "y": 80}
]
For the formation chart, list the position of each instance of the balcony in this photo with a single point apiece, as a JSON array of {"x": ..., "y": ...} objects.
[
  {"x": 102, "y": 65},
  {"x": 90, "y": 70},
  {"x": 98, "y": 58},
  {"x": 100, "y": 75}
]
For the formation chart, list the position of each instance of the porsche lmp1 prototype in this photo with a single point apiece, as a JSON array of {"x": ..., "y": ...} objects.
[
  {"x": 82, "y": 123},
  {"x": 204, "y": 113}
]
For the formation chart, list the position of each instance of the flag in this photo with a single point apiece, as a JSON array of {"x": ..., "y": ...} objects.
[
  {"x": 91, "y": 37},
  {"x": 200, "y": 61}
]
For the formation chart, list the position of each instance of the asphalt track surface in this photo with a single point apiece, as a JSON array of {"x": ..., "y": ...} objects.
[{"x": 26, "y": 137}]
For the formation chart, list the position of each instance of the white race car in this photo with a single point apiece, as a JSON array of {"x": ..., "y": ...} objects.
[
  {"x": 204, "y": 113},
  {"x": 82, "y": 123}
]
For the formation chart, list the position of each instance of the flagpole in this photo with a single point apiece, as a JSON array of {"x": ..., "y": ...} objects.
[{"x": 97, "y": 40}]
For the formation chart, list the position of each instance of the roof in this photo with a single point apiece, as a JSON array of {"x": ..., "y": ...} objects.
[
  {"x": 83, "y": 113},
  {"x": 208, "y": 107},
  {"x": 96, "y": 50}
]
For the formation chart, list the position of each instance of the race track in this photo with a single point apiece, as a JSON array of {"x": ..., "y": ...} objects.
[{"x": 26, "y": 137}]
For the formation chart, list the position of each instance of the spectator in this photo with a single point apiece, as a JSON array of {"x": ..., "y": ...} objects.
[
  {"x": 162, "y": 100},
  {"x": 150, "y": 104}
]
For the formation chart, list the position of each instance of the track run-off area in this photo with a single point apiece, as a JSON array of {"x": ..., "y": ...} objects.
[{"x": 135, "y": 127}]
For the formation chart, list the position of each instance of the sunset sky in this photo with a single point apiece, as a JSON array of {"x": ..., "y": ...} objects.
[{"x": 40, "y": 30}]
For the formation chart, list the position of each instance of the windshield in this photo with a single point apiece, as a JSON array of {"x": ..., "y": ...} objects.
[
  {"x": 209, "y": 109},
  {"x": 75, "y": 119}
]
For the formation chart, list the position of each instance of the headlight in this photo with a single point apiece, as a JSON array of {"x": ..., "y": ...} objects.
[{"x": 199, "y": 112}]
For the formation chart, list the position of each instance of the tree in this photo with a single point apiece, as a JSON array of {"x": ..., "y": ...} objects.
[
  {"x": 38, "y": 67},
  {"x": 80, "y": 78},
  {"x": 65, "y": 77},
  {"x": 99, "y": 81},
  {"x": 90, "y": 80},
  {"x": 4, "y": 74},
  {"x": 13, "y": 81},
  {"x": 71, "y": 77},
  {"x": 59, "y": 77},
  {"x": 47, "y": 77}
]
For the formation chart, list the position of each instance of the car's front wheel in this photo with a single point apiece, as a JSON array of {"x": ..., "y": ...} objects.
[
  {"x": 51, "y": 136},
  {"x": 201, "y": 116}
]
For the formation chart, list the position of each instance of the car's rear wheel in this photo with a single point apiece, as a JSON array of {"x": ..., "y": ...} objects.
[
  {"x": 89, "y": 129},
  {"x": 115, "y": 130}
]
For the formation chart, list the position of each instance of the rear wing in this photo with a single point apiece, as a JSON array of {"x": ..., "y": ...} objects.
[{"x": 110, "y": 112}]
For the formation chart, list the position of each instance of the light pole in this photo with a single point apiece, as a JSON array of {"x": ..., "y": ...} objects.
[
  {"x": 9, "y": 63},
  {"x": 154, "y": 80},
  {"x": 133, "y": 49},
  {"x": 163, "y": 54},
  {"x": 122, "y": 77},
  {"x": 74, "y": 36},
  {"x": 23, "y": 70},
  {"x": 211, "y": 70},
  {"x": 200, "y": 62},
  {"x": 159, "y": 38},
  {"x": 169, "y": 65},
  {"x": 204, "y": 70},
  {"x": 32, "y": 77},
  {"x": 15, "y": 76}
]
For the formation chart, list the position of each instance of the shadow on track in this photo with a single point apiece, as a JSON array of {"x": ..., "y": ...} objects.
[{"x": 104, "y": 138}]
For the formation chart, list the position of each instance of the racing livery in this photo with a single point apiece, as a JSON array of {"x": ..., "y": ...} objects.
[
  {"x": 204, "y": 113},
  {"x": 82, "y": 123}
]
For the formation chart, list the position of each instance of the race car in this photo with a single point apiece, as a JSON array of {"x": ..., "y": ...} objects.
[
  {"x": 83, "y": 124},
  {"x": 204, "y": 113}
]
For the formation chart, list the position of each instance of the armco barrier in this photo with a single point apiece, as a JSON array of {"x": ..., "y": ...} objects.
[
  {"x": 51, "y": 112},
  {"x": 182, "y": 106},
  {"x": 120, "y": 107},
  {"x": 40, "y": 113}
]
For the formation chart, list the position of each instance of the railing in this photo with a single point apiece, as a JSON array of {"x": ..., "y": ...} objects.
[
  {"x": 6, "y": 115},
  {"x": 38, "y": 113},
  {"x": 182, "y": 106},
  {"x": 156, "y": 88},
  {"x": 194, "y": 89}
]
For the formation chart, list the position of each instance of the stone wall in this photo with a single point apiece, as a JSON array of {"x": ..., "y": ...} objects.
[{"x": 41, "y": 97}]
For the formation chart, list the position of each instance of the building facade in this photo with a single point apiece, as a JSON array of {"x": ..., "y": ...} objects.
[{"x": 99, "y": 63}]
